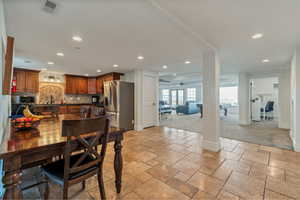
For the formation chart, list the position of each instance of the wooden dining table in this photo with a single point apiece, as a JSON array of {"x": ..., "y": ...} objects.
[{"x": 26, "y": 149}]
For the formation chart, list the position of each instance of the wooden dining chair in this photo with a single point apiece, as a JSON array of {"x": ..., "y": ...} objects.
[{"x": 81, "y": 158}]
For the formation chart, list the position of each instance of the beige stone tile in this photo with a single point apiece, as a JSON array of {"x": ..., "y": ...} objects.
[
  {"x": 292, "y": 177},
  {"x": 186, "y": 166},
  {"x": 135, "y": 168},
  {"x": 256, "y": 156},
  {"x": 206, "y": 183},
  {"x": 143, "y": 177},
  {"x": 262, "y": 171},
  {"x": 204, "y": 196},
  {"x": 182, "y": 187},
  {"x": 152, "y": 162},
  {"x": 182, "y": 176},
  {"x": 155, "y": 189},
  {"x": 284, "y": 188},
  {"x": 238, "y": 166},
  {"x": 222, "y": 173},
  {"x": 162, "y": 172},
  {"x": 224, "y": 195},
  {"x": 270, "y": 195},
  {"x": 131, "y": 196},
  {"x": 245, "y": 186}
]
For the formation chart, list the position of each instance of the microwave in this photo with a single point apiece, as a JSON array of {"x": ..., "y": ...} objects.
[{"x": 23, "y": 99}]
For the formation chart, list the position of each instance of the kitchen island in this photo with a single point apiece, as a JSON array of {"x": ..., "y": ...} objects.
[{"x": 26, "y": 149}]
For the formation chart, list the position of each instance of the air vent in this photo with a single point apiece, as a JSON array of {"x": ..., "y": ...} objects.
[{"x": 49, "y": 6}]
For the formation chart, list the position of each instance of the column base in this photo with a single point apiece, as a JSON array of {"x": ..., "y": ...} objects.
[
  {"x": 138, "y": 127},
  {"x": 244, "y": 123},
  {"x": 211, "y": 145}
]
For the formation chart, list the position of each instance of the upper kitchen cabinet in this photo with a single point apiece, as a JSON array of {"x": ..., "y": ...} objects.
[
  {"x": 106, "y": 77},
  {"x": 92, "y": 85},
  {"x": 82, "y": 85},
  {"x": 26, "y": 80},
  {"x": 72, "y": 84}
]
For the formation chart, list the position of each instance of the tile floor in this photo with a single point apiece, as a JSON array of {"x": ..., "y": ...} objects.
[{"x": 166, "y": 163}]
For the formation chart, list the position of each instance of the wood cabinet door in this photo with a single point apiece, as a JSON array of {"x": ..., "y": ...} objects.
[
  {"x": 82, "y": 85},
  {"x": 62, "y": 109},
  {"x": 73, "y": 109},
  {"x": 71, "y": 85},
  {"x": 32, "y": 81},
  {"x": 99, "y": 85},
  {"x": 92, "y": 86},
  {"x": 20, "y": 78}
]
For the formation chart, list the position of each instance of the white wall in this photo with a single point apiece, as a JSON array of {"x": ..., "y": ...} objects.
[
  {"x": 4, "y": 99},
  {"x": 284, "y": 98}
]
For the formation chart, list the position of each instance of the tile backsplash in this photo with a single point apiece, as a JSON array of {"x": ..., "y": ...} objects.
[{"x": 77, "y": 99}]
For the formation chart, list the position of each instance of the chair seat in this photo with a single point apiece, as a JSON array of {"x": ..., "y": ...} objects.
[{"x": 55, "y": 170}]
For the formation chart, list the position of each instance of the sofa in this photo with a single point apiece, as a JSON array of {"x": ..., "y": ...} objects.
[{"x": 190, "y": 107}]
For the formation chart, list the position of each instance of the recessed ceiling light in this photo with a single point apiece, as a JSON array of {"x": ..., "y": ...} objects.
[
  {"x": 77, "y": 38},
  {"x": 174, "y": 74},
  {"x": 165, "y": 66},
  {"x": 86, "y": 74},
  {"x": 60, "y": 54},
  {"x": 257, "y": 36},
  {"x": 115, "y": 65},
  {"x": 140, "y": 57},
  {"x": 99, "y": 70},
  {"x": 44, "y": 69},
  {"x": 50, "y": 63},
  {"x": 187, "y": 62},
  {"x": 265, "y": 60}
]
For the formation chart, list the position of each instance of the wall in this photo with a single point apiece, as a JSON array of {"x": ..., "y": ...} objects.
[
  {"x": 4, "y": 99},
  {"x": 284, "y": 96}
]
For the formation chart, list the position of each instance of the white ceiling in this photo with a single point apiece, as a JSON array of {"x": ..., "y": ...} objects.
[{"x": 165, "y": 32}]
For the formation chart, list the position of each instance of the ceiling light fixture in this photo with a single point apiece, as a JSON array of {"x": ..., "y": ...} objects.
[
  {"x": 50, "y": 63},
  {"x": 187, "y": 62},
  {"x": 77, "y": 38},
  {"x": 60, "y": 54},
  {"x": 174, "y": 74},
  {"x": 165, "y": 66},
  {"x": 99, "y": 70},
  {"x": 140, "y": 57},
  {"x": 86, "y": 74},
  {"x": 115, "y": 65},
  {"x": 257, "y": 36},
  {"x": 265, "y": 60},
  {"x": 44, "y": 69}
]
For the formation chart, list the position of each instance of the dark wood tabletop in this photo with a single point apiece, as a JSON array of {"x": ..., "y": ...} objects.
[{"x": 24, "y": 149}]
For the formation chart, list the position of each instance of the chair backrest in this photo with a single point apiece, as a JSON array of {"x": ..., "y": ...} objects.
[
  {"x": 269, "y": 106},
  {"x": 77, "y": 139}
]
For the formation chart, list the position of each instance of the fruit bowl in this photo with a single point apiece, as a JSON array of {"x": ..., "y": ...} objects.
[{"x": 25, "y": 123}]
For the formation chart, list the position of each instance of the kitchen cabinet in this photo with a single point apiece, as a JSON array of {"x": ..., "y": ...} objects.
[
  {"x": 63, "y": 110},
  {"x": 73, "y": 109},
  {"x": 92, "y": 85},
  {"x": 82, "y": 85},
  {"x": 26, "y": 80}
]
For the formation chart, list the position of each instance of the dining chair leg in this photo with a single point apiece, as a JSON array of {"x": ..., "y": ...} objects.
[
  {"x": 83, "y": 185},
  {"x": 46, "y": 194},
  {"x": 65, "y": 191},
  {"x": 101, "y": 185}
]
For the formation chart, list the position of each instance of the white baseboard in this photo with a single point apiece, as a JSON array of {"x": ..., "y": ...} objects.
[
  {"x": 244, "y": 122},
  {"x": 284, "y": 125},
  {"x": 138, "y": 127},
  {"x": 211, "y": 145}
]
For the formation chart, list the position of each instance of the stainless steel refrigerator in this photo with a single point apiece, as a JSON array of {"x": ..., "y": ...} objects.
[{"x": 119, "y": 103}]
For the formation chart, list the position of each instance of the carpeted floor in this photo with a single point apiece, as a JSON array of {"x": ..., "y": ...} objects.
[{"x": 264, "y": 133}]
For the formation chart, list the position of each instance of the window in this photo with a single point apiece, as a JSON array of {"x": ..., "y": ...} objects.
[
  {"x": 191, "y": 94},
  {"x": 166, "y": 96},
  {"x": 180, "y": 97},
  {"x": 174, "y": 97}
]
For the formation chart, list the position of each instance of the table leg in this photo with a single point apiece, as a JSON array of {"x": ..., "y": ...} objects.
[
  {"x": 118, "y": 165},
  {"x": 12, "y": 178}
]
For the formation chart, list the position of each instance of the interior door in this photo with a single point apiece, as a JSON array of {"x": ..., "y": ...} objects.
[{"x": 150, "y": 101}]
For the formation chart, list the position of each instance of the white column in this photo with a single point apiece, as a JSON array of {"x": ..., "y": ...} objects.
[
  {"x": 211, "y": 118},
  {"x": 295, "y": 100},
  {"x": 284, "y": 97},
  {"x": 138, "y": 98},
  {"x": 244, "y": 99}
]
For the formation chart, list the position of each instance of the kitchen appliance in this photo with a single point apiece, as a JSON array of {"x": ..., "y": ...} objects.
[
  {"x": 119, "y": 103},
  {"x": 95, "y": 99},
  {"x": 23, "y": 99}
]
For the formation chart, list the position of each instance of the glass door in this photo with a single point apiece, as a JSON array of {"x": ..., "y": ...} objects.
[{"x": 174, "y": 98}]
